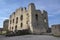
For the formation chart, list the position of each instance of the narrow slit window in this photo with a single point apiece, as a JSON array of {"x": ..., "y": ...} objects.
[
  {"x": 21, "y": 17},
  {"x": 36, "y": 16},
  {"x": 17, "y": 20},
  {"x": 21, "y": 24}
]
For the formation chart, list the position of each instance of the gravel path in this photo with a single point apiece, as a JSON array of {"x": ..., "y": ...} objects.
[{"x": 30, "y": 37}]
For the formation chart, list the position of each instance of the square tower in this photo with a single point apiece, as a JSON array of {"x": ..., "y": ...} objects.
[{"x": 38, "y": 20}]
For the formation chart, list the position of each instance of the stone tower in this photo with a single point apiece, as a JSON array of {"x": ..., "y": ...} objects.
[{"x": 5, "y": 25}]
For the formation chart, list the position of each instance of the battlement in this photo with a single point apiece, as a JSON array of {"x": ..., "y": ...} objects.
[{"x": 21, "y": 9}]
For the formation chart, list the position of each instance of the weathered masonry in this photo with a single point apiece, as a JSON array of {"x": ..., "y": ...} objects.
[
  {"x": 5, "y": 24},
  {"x": 36, "y": 21},
  {"x": 56, "y": 29}
]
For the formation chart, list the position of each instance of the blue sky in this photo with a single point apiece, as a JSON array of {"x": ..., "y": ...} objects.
[{"x": 51, "y": 6}]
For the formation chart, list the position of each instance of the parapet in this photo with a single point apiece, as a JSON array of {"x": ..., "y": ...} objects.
[
  {"x": 21, "y": 9},
  {"x": 43, "y": 11}
]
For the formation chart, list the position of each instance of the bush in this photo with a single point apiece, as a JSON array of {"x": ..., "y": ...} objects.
[
  {"x": 17, "y": 33},
  {"x": 56, "y": 35}
]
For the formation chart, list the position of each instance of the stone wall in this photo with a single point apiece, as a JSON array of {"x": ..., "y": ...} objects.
[{"x": 56, "y": 30}]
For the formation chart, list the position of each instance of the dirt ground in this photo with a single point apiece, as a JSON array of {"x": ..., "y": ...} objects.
[{"x": 30, "y": 37}]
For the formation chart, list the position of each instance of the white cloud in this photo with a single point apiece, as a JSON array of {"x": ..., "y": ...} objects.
[
  {"x": 50, "y": 15},
  {"x": 2, "y": 18}
]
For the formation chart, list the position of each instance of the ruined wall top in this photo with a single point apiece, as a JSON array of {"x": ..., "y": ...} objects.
[
  {"x": 43, "y": 11},
  {"x": 31, "y": 6}
]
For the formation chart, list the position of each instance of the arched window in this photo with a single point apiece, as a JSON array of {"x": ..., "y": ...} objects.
[
  {"x": 17, "y": 20},
  {"x": 36, "y": 16},
  {"x": 15, "y": 28},
  {"x": 12, "y": 28},
  {"x": 21, "y": 17},
  {"x": 13, "y": 20},
  {"x": 21, "y": 24}
]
